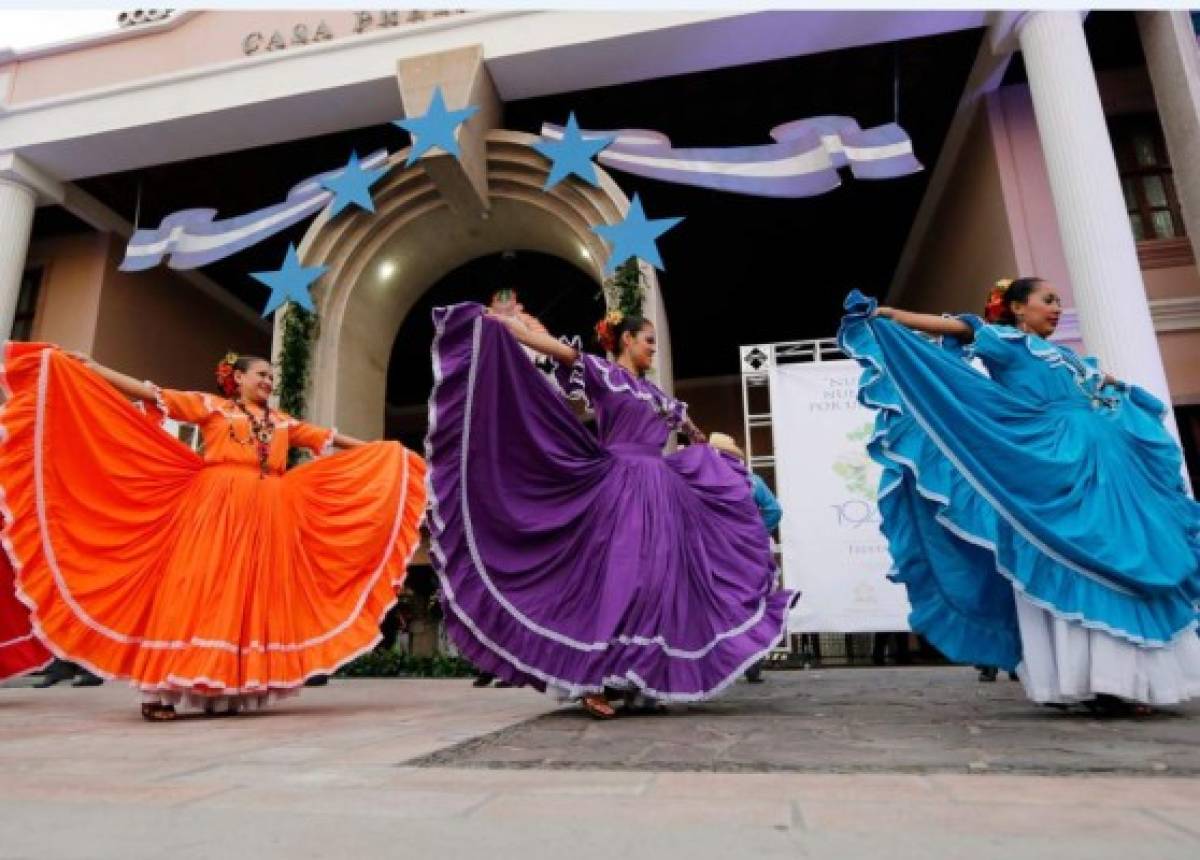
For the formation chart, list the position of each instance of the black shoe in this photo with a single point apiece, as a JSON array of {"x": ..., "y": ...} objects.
[
  {"x": 87, "y": 679},
  {"x": 59, "y": 670},
  {"x": 317, "y": 681},
  {"x": 484, "y": 680},
  {"x": 987, "y": 674},
  {"x": 1012, "y": 676}
]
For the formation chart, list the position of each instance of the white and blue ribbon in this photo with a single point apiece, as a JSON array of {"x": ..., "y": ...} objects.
[
  {"x": 192, "y": 238},
  {"x": 803, "y": 161}
]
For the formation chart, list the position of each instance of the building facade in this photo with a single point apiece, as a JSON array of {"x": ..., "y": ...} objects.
[{"x": 1055, "y": 162}]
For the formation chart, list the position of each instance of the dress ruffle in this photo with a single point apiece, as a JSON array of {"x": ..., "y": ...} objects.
[
  {"x": 140, "y": 561},
  {"x": 950, "y": 520},
  {"x": 569, "y": 565}
]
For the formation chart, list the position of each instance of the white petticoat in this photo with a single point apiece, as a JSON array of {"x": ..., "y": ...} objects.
[
  {"x": 239, "y": 703},
  {"x": 1065, "y": 662}
]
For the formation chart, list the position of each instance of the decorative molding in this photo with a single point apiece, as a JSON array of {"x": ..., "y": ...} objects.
[
  {"x": 141, "y": 17},
  {"x": 1176, "y": 314},
  {"x": 117, "y": 34},
  {"x": 16, "y": 169},
  {"x": 266, "y": 60},
  {"x": 1004, "y": 29},
  {"x": 1165, "y": 253}
]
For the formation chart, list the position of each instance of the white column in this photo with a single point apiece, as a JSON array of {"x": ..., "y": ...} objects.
[
  {"x": 17, "y": 203},
  {"x": 1097, "y": 242},
  {"x": 1173, "y": 60}
]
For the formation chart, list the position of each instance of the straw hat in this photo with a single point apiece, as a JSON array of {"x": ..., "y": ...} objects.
[{"x": 724, "y": 442}]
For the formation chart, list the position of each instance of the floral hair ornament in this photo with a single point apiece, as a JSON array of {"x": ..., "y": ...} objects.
[
  {"x": 606, "y": 330},
  {"x": 996, "y": 308},
  {"x": 225, "y": 381}
]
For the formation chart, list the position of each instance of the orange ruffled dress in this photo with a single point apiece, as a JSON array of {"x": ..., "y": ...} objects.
[{"x": 195, "y": 577}]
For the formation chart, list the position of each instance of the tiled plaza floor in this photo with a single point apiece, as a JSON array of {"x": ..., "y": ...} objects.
[{"x": 864, "y": 763}]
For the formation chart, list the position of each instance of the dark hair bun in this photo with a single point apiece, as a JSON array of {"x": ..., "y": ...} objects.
[{"x": 1003, "y": 294}]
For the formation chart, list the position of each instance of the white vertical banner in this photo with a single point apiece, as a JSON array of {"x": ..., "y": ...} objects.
[{"x": 833, "y": 551}]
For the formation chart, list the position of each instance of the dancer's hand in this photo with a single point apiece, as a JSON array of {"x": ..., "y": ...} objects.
[
  {"x": 82, "y": 357},
  {"x": 504, "y": 306},
  {"x": 884, "y": 311}
]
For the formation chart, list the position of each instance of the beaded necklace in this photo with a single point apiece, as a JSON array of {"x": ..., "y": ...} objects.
[{"x": 262, "y": 433}]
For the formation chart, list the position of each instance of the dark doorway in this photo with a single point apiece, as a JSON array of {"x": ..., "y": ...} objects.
[{"x": 564, "y": 298}]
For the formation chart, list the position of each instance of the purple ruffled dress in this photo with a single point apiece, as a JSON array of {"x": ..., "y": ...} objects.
[{"x": 575, "y": 562}]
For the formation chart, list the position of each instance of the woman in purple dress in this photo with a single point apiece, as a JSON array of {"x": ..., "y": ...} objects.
[{"x": 578, "y": 564}]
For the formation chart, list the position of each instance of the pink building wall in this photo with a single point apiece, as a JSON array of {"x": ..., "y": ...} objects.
[
  {"x": 152, "y": 325},
  {"x": 968, "y": 245},
  {"x": 190, "y": 331},
  {"x": 69, "y": 296},
  {"x": 997, "y": 219},
  {"x": 1033, "y": 224}
]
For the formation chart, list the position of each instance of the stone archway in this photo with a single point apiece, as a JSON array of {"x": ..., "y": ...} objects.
[{"x": 380, "y": 264}]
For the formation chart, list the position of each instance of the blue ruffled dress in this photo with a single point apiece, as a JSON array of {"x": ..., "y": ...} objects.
[{"x": 1037, "y": 517}]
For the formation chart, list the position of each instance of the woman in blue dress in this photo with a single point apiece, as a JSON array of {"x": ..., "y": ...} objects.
[{"x": 1036, "y": 514}]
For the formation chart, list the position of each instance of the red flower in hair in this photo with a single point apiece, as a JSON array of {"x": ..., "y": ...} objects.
[
  {"x": 606, "y": 330},
  {"x": 996, "y": 309},
  {"x": 225, "y": 381},
  {"x": 604, "y": 336}
]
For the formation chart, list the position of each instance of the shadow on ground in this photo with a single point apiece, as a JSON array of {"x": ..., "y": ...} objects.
[{"x": 850, "y": 720}]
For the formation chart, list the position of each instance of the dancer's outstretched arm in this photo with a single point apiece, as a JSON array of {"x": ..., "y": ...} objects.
[
  {"x": 127, "y": 385},
  {"x": 538, "y": 341},
  {"x": 928, "y": 323},
  {"x": 342, "y": 441}
]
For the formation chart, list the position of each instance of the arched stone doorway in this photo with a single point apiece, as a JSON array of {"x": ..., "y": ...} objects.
[{"x": 380, "y": 264}]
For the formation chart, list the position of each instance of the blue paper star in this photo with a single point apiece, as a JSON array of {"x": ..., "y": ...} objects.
[
  {"x": 572, "y": 155},
  {"x": 435, "y": 128},
  {"x": 290, "y": 282},
  {"x": 353, "y": 185},
  {"x": 634, "y": 237}
]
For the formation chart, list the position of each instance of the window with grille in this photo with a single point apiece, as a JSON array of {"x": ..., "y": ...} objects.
[
  {"x": 1146, "y": 180},
  {"x": 27, "y": 299}
]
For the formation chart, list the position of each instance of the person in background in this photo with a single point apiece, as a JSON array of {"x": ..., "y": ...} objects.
[
  {"x": 768, "y": 508},
  {"x": 899, "y": 648}
]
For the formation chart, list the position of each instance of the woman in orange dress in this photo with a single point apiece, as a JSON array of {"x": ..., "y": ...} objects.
[{"x": 217, "y": 580}]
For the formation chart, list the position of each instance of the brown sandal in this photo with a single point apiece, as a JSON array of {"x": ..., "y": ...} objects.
[
  {"x": 153, "y": 712},
  {"x": 598, "y": 707}
]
